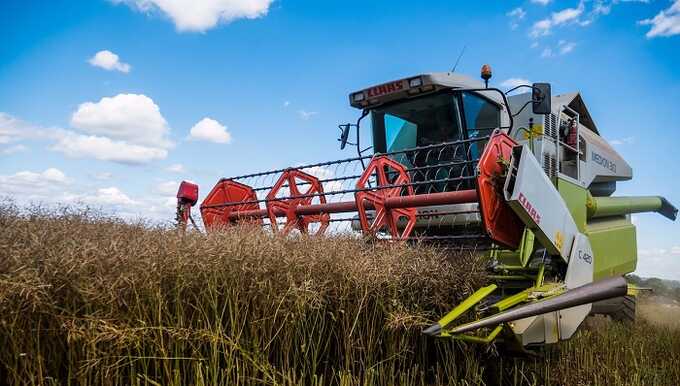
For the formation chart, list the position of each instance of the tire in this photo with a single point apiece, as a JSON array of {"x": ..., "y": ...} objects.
[{"x": 626, "y": 312}]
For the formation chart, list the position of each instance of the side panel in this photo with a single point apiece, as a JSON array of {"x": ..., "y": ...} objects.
[
  {"x": 532, "y": 195},
  {"x": 614, "y": 244},
  {"x": 575, "y": 197}
]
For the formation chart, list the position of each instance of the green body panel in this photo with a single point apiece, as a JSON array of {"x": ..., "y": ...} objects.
[
  {"x": 614, "y": 245},
  {"x": 575, "y": 196},
  {"x": 613, "y": 206}
]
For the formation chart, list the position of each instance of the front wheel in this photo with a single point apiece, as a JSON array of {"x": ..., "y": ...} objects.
[{"x": 626, "y": 312}]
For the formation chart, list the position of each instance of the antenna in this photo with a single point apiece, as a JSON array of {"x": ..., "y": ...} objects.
[{"x": 459, "y": 56}]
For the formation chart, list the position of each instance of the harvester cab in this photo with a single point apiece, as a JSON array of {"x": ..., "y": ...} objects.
[{"x": 526, "y": 181}]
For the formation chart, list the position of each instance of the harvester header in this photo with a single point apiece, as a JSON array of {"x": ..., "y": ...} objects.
[{"x": 464, "y": 166}]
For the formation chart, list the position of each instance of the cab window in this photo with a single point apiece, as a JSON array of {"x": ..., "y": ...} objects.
[
  {"x": 480, "y": 113},
  {"x": 417, "y": 122},
  {"x": 481, "y": 118}
]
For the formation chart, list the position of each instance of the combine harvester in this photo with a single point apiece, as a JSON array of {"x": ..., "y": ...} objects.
[{"x": 464, "y": 166}]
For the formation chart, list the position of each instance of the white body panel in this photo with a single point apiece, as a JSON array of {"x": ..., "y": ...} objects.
[
  {"x": 532, "y": 195},
  {"x": 579, "y": 272},
  {"x": 603, "y": 163}
]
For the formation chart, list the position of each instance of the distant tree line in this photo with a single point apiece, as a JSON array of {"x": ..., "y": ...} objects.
[{"x": 660, "y": 287}]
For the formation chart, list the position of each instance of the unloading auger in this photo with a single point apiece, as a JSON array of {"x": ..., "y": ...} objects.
[{"x": 465, "y": 166}]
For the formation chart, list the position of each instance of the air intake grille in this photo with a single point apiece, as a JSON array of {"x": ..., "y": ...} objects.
[
  {"x": 551, "y": 126},
  {"x": 549, "y": 165}
]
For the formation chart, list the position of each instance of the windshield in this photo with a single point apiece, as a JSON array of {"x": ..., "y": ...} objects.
[
  {"x": 434, "y": 119},
  {"x": 417, "y": 122}
]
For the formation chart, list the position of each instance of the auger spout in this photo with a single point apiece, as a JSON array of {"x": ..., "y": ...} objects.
[
  {"x": 599, "y": 290},
  {"x": 613, "y": 206}
]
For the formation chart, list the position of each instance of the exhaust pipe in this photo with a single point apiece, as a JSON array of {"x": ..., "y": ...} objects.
[{"x": 589, "y": 293}]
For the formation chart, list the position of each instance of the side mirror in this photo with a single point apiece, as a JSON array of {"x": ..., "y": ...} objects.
[
  {"x": 344, "y": 134},
  {"x": 541, "y": 98}
]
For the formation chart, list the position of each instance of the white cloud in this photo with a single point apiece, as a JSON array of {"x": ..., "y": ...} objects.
[
  {"x": 28, "y": 185},
  {"x": 534, "y": 45},
  {"x": 167, "y": 188},
  {"x": 541, "y": 2},
  {"x": 13, "y": 129},
  {"x": 286, "y": 103},
  {"x": 53, "y": 187},
  {"x": 665, "y": 23},
  {"x": 200, "y": 16},
  {"x": 176, "y": 168},
  {"x": 623, "y": 141},
  {"x": 109, "y": 196},
  {"x": 210, "y": 130},
  {"x": 514, "y": 82},
  {"x": 320, "y": 172},
  {"x": 659, "y": 262},
  {"x": 305, "y": 115},
  {"x": 660, "y": 252},
  {"x": 103, "y": 176},
  {"x": 565, "y": 47},
  {"x": 105, "y": 149},
  {"x": 568, "y": 15},
  {"x": 13, "y": 149},
  {"x": 325, "y": 173},
  {"x": 134, "y": 118},
  {"x": 126, "y": 128},
  {"x": 541, "y": 28},
  {"x": 516, "y": 15},
  {"x": 109, "y": 61},
  {"x": 123, "y": 139}
]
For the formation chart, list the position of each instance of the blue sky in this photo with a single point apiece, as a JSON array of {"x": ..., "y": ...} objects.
[{"x": 112, "y": 102}]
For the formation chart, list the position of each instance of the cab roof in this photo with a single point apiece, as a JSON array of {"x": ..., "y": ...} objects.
[{"x": 414, "y": 86}]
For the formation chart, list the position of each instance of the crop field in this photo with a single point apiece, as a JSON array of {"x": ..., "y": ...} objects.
[{"x": 87, "y": 299}]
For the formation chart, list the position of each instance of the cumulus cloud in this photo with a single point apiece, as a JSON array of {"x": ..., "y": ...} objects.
[
  {"x": 109, "y": 61},
  {"x": 516, "y": 15},
  {"x": 541, "y": 2},
  {"x": 134, "y": 118},
  {"x": 201, "y": 15},
  {"x": 126, "y": 128},
  {"x": 563, "y": 47},
  {"x": 13, "y": 129},
  {"x": 54, "y": 187},
  {"x": 210, "y": 130},
  {"x": 28, "y": 185},
  {"x": 568, "y": 15},
  {"x": 659, "y": 262},
  {"x": 176, "y": 168},
  {"x": 109, "y": 196},
  {"x": 13, "y": 149},
  {"x": 167, "y": 188},
  {"x": 105, "y": 149},
  {"x": 514, "y": 82},
  {"x": 665, "y": 23}
]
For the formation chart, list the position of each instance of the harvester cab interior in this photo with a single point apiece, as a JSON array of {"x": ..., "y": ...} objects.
[{"x": 523, "y": 180}]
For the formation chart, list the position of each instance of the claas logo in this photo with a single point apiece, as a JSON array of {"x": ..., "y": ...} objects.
[
  {"x": 384, "y": 89},
  {"x": 533, "y": 213}
]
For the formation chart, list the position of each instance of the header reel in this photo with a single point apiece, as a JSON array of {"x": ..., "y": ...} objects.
[{"x": 431, "y": 192}]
